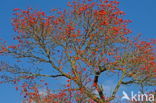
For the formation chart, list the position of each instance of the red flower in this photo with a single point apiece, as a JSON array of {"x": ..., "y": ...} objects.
[
  {"x": 68, "y": 80},
  {"x": 74, "y": 35},
  {"x": 13, "y": 47},
  {"x": 4, "y": 49},
  {"x": 152, "y": 58},
  {"x": 105, "y": 23},
  {"x": 29, "y": 8},
  {"x": 16, "y": 9},
  {"x": 84, "y": 69},
  {"x": 110, "y": 53},
  {"x": 68, "y": 85},
  {"x": 116, "y": 29},
  {"x": 82, "y": 8},
  {"x": 102, "y": 12},
  {"x": 42, "y": 13},
  {"x": 77, "y": 58},
  {"x": 106, "y": 37},
  {"x": 31, "y": 22},
  {"x": 96, "y": 49},
  {"x": 26, "y": 12},
  {"x": 94, "y": 53}
]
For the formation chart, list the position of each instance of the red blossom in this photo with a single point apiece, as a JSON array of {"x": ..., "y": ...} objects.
[
  {"x": 13, "y": 47},
  {"x": 16, "y": 9},
  {"x": 102, "y": 12},
  {"x": 68, "y": 85},
  {"x": 82, "y": 8}
]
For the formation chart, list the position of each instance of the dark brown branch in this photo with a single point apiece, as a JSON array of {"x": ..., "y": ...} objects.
[
  {"x": 97, "y": 74},
  {"x": 43, "y": 75},
  {"x": 127, "y": 82},
  {"x": 28, "y": 56}
]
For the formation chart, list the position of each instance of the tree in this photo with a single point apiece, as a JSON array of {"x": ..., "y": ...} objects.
[{"x": 84, "y": 43}]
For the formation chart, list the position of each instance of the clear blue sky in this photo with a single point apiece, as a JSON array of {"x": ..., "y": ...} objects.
[{"x": 141, "y": 12}]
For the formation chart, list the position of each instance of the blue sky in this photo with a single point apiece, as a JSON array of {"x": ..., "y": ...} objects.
[{"x": 141, "y": 12}]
